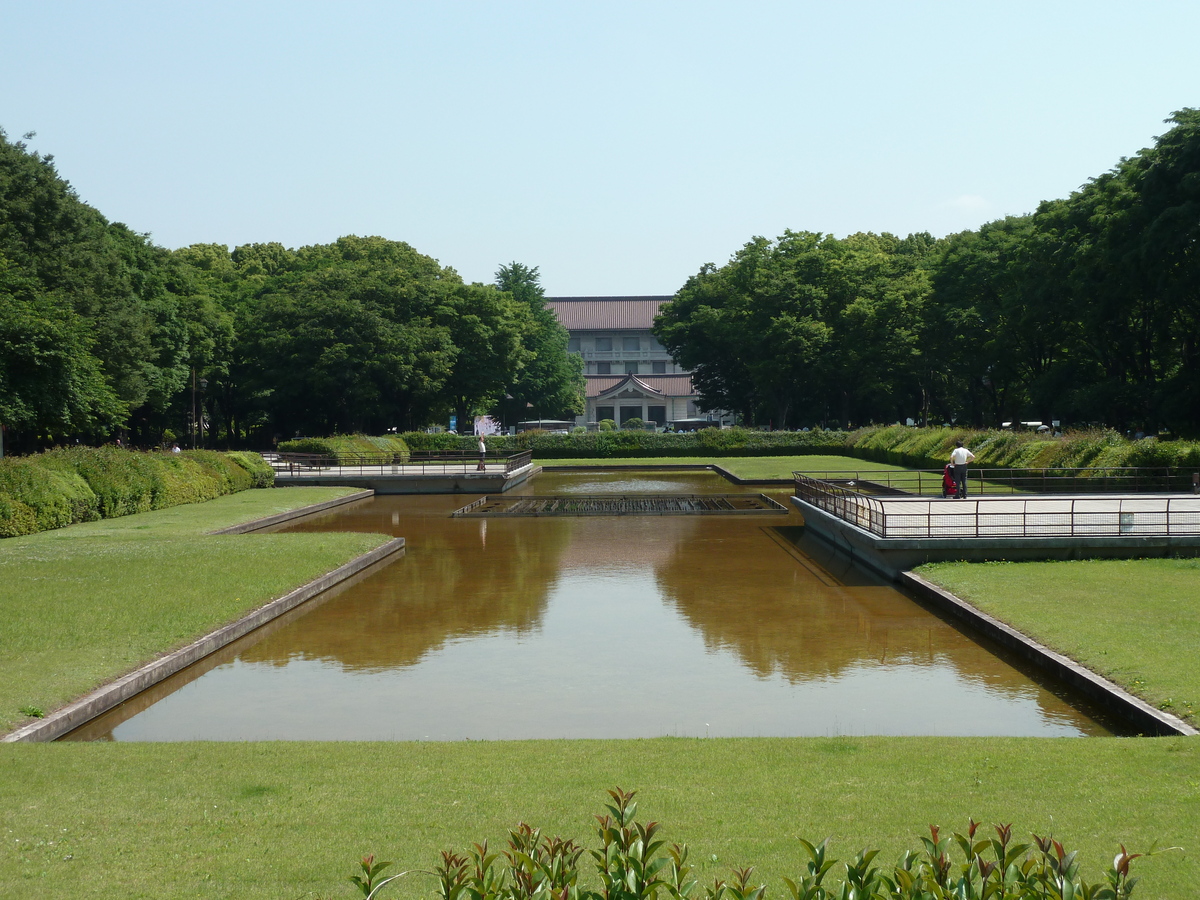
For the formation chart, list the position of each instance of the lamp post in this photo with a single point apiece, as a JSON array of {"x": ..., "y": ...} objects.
[
  {"x": 196, "y": 421},
  {"x": 192, "y": 423}
]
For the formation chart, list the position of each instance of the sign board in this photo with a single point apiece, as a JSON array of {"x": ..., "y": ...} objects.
[{"x": 486, "y": 425}]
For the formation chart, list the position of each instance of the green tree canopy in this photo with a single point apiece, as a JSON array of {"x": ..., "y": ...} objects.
[{"x": 551, "y": 380}]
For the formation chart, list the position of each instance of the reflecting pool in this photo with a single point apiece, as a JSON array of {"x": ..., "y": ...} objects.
[{"x": 598, "y": 627}]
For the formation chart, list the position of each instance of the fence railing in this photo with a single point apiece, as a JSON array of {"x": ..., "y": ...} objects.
[
  {"x": 1094, "y": 480},
  {"x": 398, "y": 464},
  {"x": 843, "y": 502},
  {"x": 911, "y": 516}
]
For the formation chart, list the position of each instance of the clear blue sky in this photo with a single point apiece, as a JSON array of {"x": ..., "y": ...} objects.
[{"x": 617, "y": 146}]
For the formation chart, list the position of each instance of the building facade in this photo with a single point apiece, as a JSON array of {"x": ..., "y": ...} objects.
[{"x": 629, "y": 374}]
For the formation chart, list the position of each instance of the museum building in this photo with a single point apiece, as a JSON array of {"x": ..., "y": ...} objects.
[{"x": 629, "y": 374}]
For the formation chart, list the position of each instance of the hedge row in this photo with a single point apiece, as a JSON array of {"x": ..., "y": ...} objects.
[
  {"x": 930, "y": 448},
  {"x": 923, "y": 448},
  {"x": 625, "y": 444},
  {"x": 82, "y": 484},
  {"x": 346, "y": 448}
]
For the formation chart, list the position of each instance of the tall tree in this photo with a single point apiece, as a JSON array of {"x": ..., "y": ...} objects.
[
  {"x": 346, "y": 337},
  {"x": 51, "y": 384},
  {"x": 60, "y": 248},
  {"x": 551, "y": 380}
]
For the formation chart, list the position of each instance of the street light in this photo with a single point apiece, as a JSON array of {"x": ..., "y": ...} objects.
[{"x": 196, "y": 422}]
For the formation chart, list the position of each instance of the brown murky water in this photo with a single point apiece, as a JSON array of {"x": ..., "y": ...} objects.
[{"x": 604, "y": 627}]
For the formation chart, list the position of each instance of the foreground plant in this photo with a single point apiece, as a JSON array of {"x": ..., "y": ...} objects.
[
  {"x": 633, "y": 863},
  {"x": 369, "y": 882}
]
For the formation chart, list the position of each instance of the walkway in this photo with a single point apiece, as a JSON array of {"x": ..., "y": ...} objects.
[
  {"x": 441, "y": 474},
  {"x": 893, "y": 533}
]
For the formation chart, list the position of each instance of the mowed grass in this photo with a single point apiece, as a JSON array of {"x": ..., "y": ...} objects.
[
  {"x": 752, "y": 467},
  {"x": 1135, "y": 621},
  {"x": 291, "y": 820},
  {"x": 83, "y": 605}
]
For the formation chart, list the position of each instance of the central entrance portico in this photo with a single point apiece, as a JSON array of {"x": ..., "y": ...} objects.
[{"x": 654, "y": 399}]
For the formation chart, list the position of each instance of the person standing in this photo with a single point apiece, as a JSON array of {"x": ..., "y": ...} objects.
[
  {"x": 482, "y": 454},
  {"x": 959, "y": 457}
]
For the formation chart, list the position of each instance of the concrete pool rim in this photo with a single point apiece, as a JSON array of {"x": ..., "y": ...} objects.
[
  {"x": 109, "y": 696},
  {"x": 1098, "y": 690}
]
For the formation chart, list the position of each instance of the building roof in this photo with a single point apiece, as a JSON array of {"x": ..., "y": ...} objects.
[
  {"x": 679, "y": 385},
  {"x": 607, "y": 313}
]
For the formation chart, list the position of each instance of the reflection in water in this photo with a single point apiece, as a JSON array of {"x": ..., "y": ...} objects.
[
  {"x": 455, "y": 583},
  {"x": 599, "y": 627}
]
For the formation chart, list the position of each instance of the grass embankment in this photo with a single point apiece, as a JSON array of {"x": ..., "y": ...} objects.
[
  {"x": 82, "y": 484},
  {"x": 291, "y": 820},
  {"x": 750, "y": 467},
  {"x": 1137, "y": 622},
  {"x": 82, "y": 605}
]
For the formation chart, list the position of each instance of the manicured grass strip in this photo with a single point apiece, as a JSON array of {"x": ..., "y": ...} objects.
[
  {"x": 1137, "y": 622},
  {"x": 82, "y": 605},
  {"x": 780, "y": 467},
  {"x": 292, "y": 819}
]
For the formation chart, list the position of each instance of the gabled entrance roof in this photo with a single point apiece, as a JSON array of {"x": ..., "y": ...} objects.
[{"x": 653, "y": 386}]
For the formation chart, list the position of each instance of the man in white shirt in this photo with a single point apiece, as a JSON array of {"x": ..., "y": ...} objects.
[{"x": 959, "y": 457}]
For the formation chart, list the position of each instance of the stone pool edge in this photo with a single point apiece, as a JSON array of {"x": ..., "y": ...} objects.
[
  {"x": 1104, "y": 693},
  {"x": 289, "y": 515},
  {"x": 102, "y": 699}
]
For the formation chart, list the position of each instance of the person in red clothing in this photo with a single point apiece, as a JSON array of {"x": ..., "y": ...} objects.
[{"x": 948, "y": 485}]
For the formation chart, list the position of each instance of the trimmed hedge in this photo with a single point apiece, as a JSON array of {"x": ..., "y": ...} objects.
[
  {"x": 624, "y": 444},
  {"x": 923, "y": 448},
  {"x": 930, "y": 448},
  {"x": 346, "y": 448},
  {"x": 261, "y": 473},
  {"x": 81, "y": 484}
]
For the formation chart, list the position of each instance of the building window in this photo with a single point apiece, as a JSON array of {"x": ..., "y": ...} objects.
[
  {"x": 573, "y": 345},
  {"x": 631, "y": 368},
  {"x": 604, "y": 412},
  {"x": 657, "y": 414},
  {"x": 631, "y": 343},
  {"x": 604, "y": 345},
  {"x": 603, "y": 368},
  {"x": 658, "y": 368}
]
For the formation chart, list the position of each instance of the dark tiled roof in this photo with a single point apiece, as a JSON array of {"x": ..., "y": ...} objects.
[
  {"x": 606, "y": 313},
  {"x": 679, "y": 385}
]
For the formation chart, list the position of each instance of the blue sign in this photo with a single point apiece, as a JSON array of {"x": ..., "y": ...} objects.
[{"x": 454, "y": 423}]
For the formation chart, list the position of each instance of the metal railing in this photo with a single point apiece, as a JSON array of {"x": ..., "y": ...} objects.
[
  {"x": 398, "y": 464},
  {"x": 843, "y": 502},
  {"x": 910, "y": 516},
  {"x": 1094, "y": 480}
]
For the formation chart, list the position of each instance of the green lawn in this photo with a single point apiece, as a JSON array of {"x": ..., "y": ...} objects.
[
  {"x": 1136, "y": 622},
  {"x": 780, "y": 467},
  {"x": 280, "y": 820},
  {"x": 83, "y": 605}
]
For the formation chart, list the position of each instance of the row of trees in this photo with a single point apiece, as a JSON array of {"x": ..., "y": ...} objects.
[
  {"x": 102, "y": 333},
  {"x": 1086, "y": 311}
]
